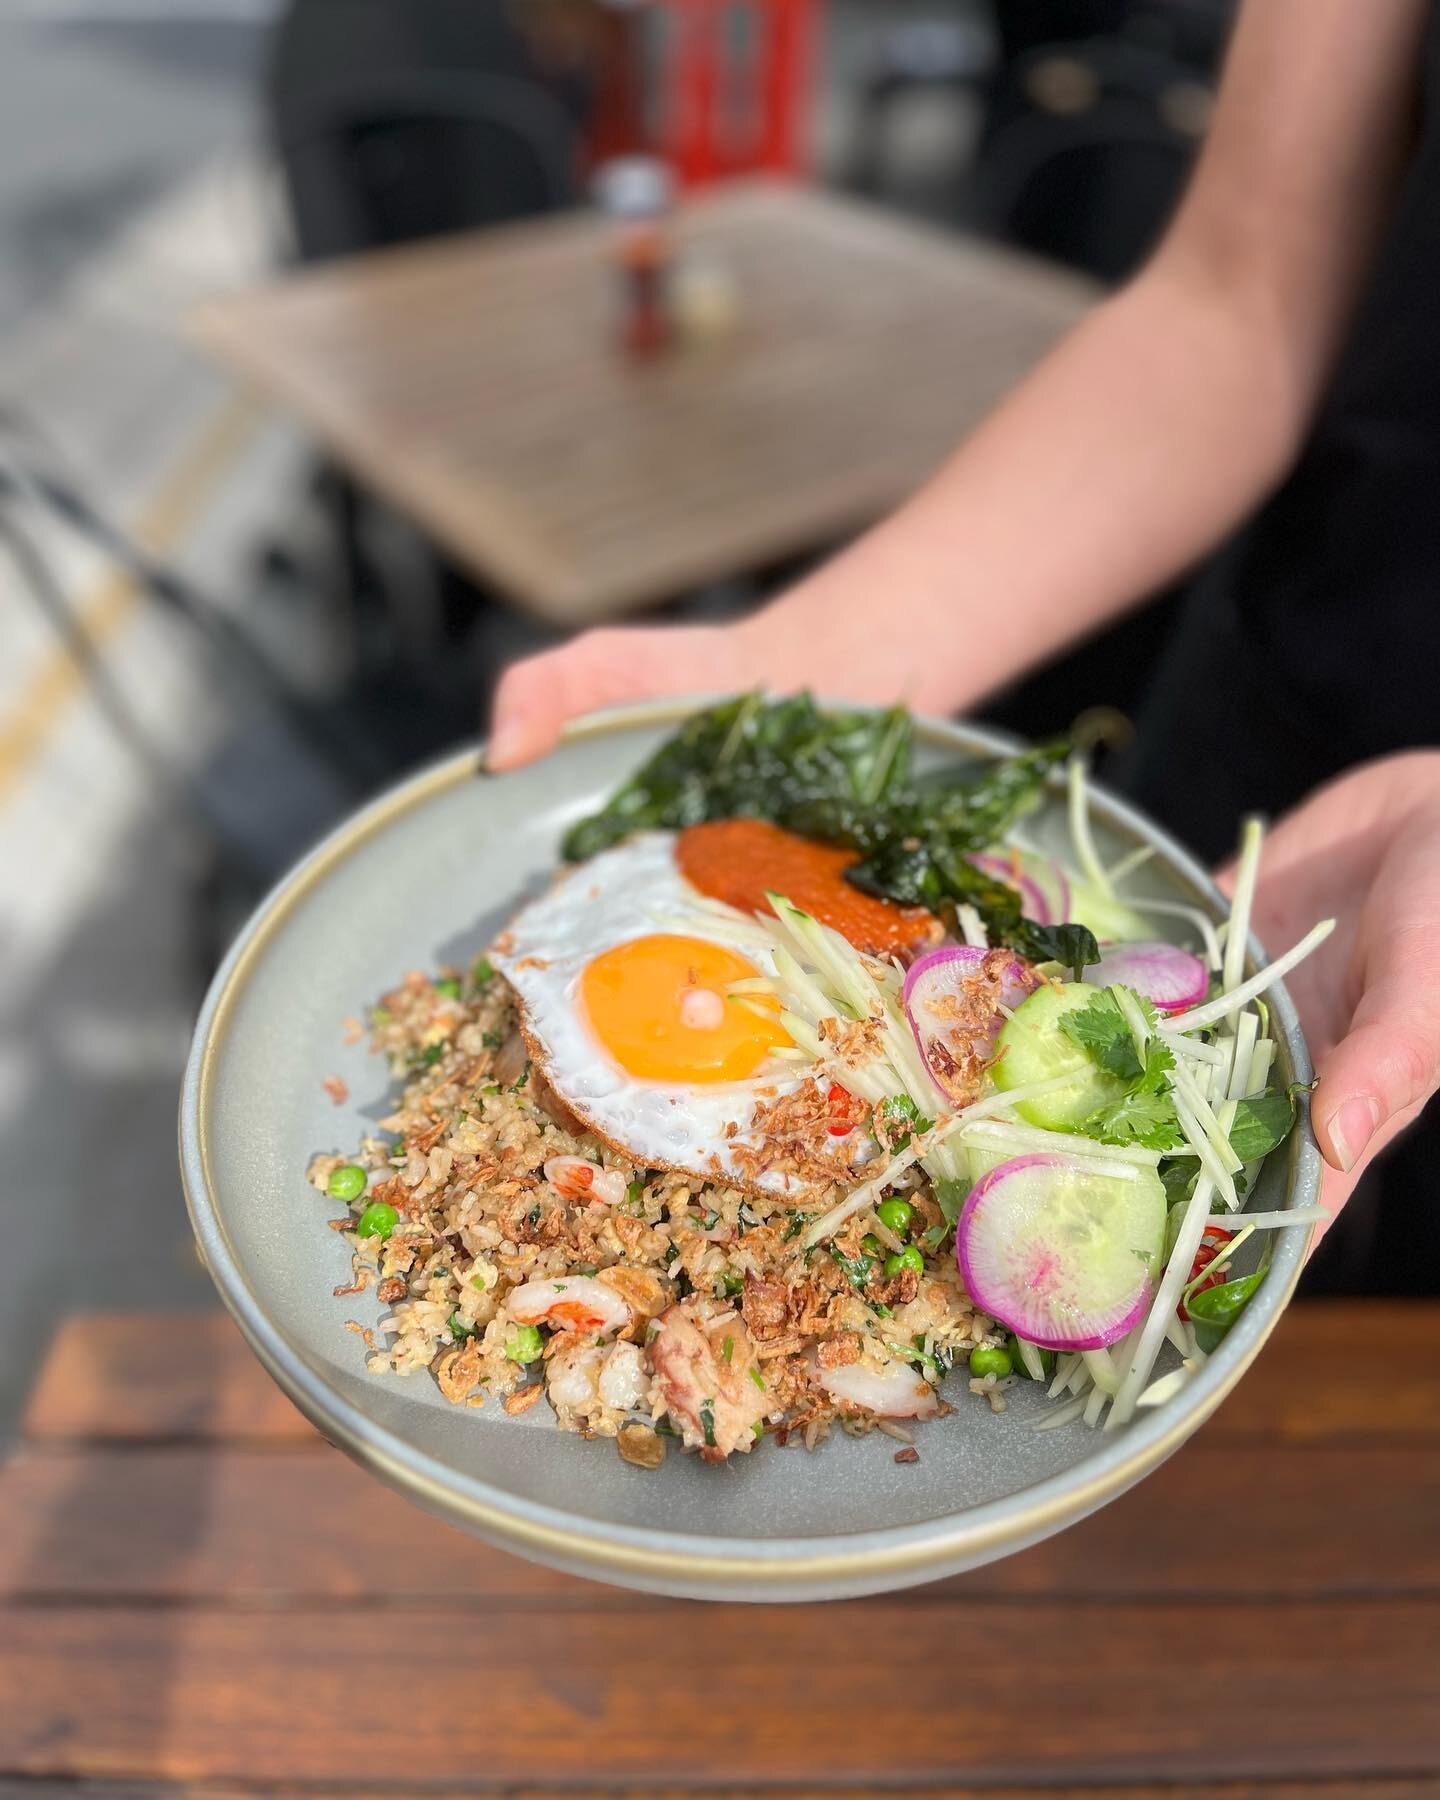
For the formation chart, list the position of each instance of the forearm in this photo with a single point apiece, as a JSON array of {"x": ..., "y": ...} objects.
[
  {"x": 1143, "y": 438},
  {"x": 1161, "y": 421},
  {"x": 1139, "y": 442}
]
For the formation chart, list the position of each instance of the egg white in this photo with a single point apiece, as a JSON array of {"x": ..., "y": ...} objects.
[{"x": 633, "y": 890}]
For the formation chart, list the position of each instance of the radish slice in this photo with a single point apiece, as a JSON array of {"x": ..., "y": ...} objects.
[
  {"x": 1054, "y": 886},
  {"x": 1042, "y": 885},
  {"x": 1062, "y": 1256},
  {"x": 952, "y": 998},
  {"x": 1170, "y": 978},
  {"x": 1003, "y": 868}
]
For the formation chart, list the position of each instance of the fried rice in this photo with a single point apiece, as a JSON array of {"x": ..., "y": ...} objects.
[{"x": 731, "y": 1328}]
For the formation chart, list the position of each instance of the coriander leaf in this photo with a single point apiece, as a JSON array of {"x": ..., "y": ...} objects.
[
  {"x": 856, "y": 1269},
  {"x": 900, "y": 1109},
  {"x": 1101, "y": 1030},
  {"x": 904, "y": 1118},
  {"x": 1154, "y": 1078},
  {"x": 1137, "y": 1118},
  {"x": 951, "y": 1192}
]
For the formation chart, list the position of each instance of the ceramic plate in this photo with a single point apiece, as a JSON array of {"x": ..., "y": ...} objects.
[{"x": 427, "y": 874}]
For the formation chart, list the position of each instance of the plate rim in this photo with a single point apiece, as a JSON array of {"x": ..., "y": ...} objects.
[{"x": 884, "y": 1556}]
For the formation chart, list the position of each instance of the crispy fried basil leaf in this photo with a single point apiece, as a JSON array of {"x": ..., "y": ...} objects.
[
  {"x": 754, "y": 758},
  {"x": 846, "y": 778}
]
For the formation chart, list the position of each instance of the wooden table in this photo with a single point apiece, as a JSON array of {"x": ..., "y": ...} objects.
[
  {"x": 197, "y": 1590},
  {"x": 475, "y": 383}
]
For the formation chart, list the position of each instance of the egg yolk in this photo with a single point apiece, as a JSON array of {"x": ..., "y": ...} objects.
[{"x": 661, "y": 1006}]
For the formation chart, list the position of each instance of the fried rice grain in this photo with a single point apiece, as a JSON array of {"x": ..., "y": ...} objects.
[{"x": 669, "y": 1304}]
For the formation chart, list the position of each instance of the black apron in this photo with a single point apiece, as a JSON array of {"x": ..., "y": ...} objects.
[{"x": 1313, "y": 643}]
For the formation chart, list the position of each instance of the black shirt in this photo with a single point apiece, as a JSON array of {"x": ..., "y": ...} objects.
[{"x": 1312, "y": 642}]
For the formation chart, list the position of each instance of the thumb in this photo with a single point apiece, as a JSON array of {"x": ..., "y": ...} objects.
[
  {"x": 1388, "y": 1063},
  {"x": 537, "y": 697}
]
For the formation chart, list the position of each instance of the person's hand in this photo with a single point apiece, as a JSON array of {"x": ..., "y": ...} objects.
[
  {"x": 824, "y": 635},
  {"x": 1364, "y": 850},
  {"x": 606, "y": 668},
  {"x": 781, "y": 649}
]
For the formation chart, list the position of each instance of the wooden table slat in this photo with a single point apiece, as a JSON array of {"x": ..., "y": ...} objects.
[
  {"x": 198, "y": 1595},
  {"x": 877, "y": 1693},
  {"x": 162, "y": 1375},
  {"x": 1371, "y": 1788},
  {"x": 233, "y": 1526}
]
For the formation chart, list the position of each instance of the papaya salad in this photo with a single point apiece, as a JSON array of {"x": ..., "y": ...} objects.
[{"x": 811, "y": 1084}]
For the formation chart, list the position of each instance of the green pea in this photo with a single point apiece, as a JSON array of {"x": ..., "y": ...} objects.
[
  {"x": 482, "y": 973},
  {"x": 990, "y": 1359},
  {"x": 449, "y": 987},
  {"x": 908, "y": 1258},
  {"x": 1047, "y": 1362},
  {"x": 897, "y": 1214},
  {"x": 871, "y": 1245},
  {"x": 524, "y": 1344},
  {"x": 347, "y": 1182},
  {"x": 379, "y": 1219}
]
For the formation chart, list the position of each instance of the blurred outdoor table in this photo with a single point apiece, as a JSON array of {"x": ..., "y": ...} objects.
[
  {"x": 476, "y": 383},
  {"x": 196, "y": 1589}
]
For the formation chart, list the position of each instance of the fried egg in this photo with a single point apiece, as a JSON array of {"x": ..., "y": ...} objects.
[{"x": 624, "y": 974}]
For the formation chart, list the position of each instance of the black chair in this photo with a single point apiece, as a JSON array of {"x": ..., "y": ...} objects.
[
  {"x": 400, "y": 119},
  {"x": 377, "y": 159},
  {"x": 393, "y": 121}
]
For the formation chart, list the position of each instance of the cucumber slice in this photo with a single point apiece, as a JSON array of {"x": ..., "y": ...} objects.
[
  {"x": 1064, "y": 1257},
  {"x": 1033, "y": 1048}
]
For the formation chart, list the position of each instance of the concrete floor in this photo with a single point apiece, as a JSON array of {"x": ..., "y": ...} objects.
[{"x": 123, "y": 192}]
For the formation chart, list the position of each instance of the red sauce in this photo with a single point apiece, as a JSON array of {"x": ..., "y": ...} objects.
[{"x": 738, "y": 860}]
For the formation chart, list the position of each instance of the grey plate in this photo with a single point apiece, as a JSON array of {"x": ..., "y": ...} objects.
[{"x": 428, "y": 873}]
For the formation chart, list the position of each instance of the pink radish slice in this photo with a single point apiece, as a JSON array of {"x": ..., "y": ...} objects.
[
  {"x": 1061, "y": 1255},
  {"x": 952, "y": 998},
  {"x": 1054, "y": 887},
  {"x": 1170, "y": 978},
  {"x": 1042, "y": 885},
  {"x": 1032, "y": 902}
]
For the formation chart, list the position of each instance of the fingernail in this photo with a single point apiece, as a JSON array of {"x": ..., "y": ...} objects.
[{"x": 1351, "y": 1128}]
